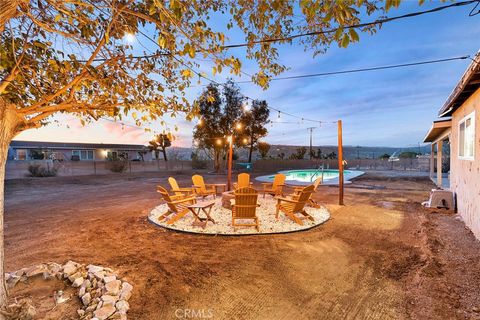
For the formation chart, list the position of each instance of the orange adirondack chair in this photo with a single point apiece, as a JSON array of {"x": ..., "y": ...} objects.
[
  {"x": 243, "y": 181},
  {"x": 245, "y": 207},
  {"x": 275, "y": 188},
  {"x": 201, "y": 189},
  {"x": 311, "y": 202},
  {"x": 180, "y": 192},
  {"x": 291, "y": 207},
  {"x": 177, "y": 206}
]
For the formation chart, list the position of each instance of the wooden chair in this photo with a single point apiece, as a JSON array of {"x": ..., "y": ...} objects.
[
  {"x": 292, "y": 207},
  {"x": 311, "y": 202},
  {"x": 177, "y": 206},
  {"x": 201, "y": 189},
  {"x": 179, "y": 192},
  {"x": 245, "y": 207},
  {"x": 275, "y": 188},
  {"x": 243, "y": 181}
]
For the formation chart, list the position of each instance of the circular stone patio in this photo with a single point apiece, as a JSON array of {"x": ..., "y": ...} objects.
[{"x": 223, "y": 220}]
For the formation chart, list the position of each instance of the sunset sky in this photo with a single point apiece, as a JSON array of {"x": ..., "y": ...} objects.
[{"x": 379, "y": 108}]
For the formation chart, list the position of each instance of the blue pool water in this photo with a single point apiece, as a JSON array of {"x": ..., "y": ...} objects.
[{"x": 307, "y": 176}]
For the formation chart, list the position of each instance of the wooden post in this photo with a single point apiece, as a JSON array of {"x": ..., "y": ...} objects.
[
  {"x": 340, "y": 164},
  {"x": 439, "y": 163},
  {"x": 432, "y": 160},
  {"x": 230, "y": 158}
]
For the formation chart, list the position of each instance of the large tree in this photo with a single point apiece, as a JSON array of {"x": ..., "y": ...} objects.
[
  {"x": 255, "y": 121},
  {"x": 220, "y": 112},
  {"x": 69, "y": 56}
]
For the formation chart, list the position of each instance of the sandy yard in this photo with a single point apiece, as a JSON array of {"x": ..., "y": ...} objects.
[{"x": 381, "y": 256}]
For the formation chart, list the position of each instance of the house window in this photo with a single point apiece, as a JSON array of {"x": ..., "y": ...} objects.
[
  {"x": 466, "y": 137},
  {"x": 83, "y": 154},
  {"x": 21, "y": 154}
]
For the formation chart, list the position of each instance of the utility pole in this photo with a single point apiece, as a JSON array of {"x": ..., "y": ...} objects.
[{"x": 311, "y": 133}]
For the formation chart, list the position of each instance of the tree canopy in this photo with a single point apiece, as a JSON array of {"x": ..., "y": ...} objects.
[
  {"x": 220, "y": 114},
  {"x": 254, "y": 121}
]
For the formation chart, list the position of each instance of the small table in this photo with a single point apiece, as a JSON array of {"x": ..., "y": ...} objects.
[
  {"x": 221, "y": 186},
  {"x": 226, "y": 199},
  {"x": 197, "y": 208}
]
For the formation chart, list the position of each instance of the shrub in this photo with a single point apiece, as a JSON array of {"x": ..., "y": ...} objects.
[
  {"x": 37, "y": 170},
  {"x": 197, "y": 162},
  {"x": 117, "y": 165}
]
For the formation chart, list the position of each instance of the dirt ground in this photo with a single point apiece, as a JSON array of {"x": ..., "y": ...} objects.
[{"x": 381, "y": 256}]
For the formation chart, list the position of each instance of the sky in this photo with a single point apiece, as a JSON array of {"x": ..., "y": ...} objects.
[{"x": 392, "y": 107}]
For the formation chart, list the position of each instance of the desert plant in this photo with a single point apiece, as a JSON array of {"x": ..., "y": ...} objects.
[
  {"x": 197, "y": 162},
  {"x": 263, "y": 148},
  {"x": 299, "y": 154},
  {"x": 37, "y": 170}
]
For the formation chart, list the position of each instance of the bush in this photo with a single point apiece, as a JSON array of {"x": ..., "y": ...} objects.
[
  {"x": 117, "y": 165},
  {"x": 37, "y": 170},
  {"x": 198, "y": 163}
]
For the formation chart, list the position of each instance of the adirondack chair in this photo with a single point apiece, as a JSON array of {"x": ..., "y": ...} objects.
[
  {"x": 245, "y": 207},
  {"x": 176, "y": 206},
  {"x": 201, "y": 189},
  {"x": 243, "y": 181},
  {"x": 292, "y": 207},
  {"x": 179, "y": 192},
  {"x": 311, "y": 202},
  {"x": 274, "y": 188}
]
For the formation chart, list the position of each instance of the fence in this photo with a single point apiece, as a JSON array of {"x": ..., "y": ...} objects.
[
  {"x": 19, "y": 169},
  {"x": 416, "y": 164}
]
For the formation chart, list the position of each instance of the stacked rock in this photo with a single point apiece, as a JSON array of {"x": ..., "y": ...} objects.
[{"x": 102, "y": 293}]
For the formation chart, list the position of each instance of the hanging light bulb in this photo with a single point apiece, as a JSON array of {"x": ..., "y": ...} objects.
[
  {"x": 129, "y": 37},
  {"x": 246, "y": 106},
  {"x": 219, "y": 142},
  {"x": 200, "y": 121},
  {"x": 238, "y": 126},
  {"x": 245, "y": 140},
  {"x": 279, "y": 114}
]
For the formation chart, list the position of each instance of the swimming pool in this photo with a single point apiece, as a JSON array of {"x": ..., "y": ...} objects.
[{"x": 307, "y": 176}]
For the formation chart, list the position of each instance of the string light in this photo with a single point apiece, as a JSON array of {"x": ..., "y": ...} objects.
[
  {"x": 219, "y": 142},
  {"x": 245, "y": 140},
  {"x": 200, "y": 121},
  {"x": 279, "y": 114},
  {"x": 238, "y": 126},
  {"x": 129, "y": 37},
  {"x": 246, "y": 106}
]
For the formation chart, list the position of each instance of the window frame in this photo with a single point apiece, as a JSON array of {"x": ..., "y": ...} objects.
[
  {"x": 78, "y": 152},
  {"x": 470, "y": 116},
  {"x": 17, "y": 151}
]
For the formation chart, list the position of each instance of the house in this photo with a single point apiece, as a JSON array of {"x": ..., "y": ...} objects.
[
  {"x": 66, "y": 151},
  {"x": 457, "y": 133}
]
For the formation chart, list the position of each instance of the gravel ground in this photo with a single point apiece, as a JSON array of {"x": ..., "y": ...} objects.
[
  {"x": 223, "y": 220},
  {"x": 380, "y": 256}
]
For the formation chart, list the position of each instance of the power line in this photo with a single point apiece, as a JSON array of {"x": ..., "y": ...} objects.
[
  {"x": 354, "y": 26},
  {"x": 363, "y": 69},
  {"x": 313, "y": 33}
]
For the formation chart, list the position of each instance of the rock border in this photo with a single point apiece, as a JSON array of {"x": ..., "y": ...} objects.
[
  {"x": 102, "y": 293},
  {"x": 222, "y": 227}
]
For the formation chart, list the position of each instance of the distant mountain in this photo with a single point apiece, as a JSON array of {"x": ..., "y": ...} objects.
[{"x": 349, "y": 152}]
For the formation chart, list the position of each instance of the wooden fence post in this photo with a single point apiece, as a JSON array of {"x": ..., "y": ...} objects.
[{"x": 340, "y": 164}]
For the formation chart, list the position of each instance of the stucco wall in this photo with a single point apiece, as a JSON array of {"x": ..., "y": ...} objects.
[{"x": 465, "y": 174}]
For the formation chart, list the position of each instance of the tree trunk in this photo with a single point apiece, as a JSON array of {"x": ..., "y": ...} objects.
[
  {"x": 10, "y": 124},
  {"x": 216, "y": 163},
  {"x": 251, "y": 151},
  {"x": 164, "y": 151}
]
